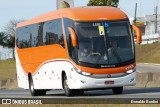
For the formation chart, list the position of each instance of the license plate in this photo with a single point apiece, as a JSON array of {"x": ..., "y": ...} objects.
[{"x": 109, "y": 82}]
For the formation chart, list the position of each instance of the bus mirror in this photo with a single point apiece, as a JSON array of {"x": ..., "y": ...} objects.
[
  {"x": 73, "y": 37},
  {"x": 138, "y": 34}
]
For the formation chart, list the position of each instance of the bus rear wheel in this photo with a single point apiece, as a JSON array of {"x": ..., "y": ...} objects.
[
  {"x": 117, "y": 90},
  {"x": 68, "y": 92},
  {"x": 33, "y": 91}
]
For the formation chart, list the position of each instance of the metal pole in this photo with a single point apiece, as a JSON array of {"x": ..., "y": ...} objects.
[
  {"x": 135, "y": 16},
  {"x": 156, "y": 19}
]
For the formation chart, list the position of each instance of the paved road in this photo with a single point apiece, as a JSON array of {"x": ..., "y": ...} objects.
[
  {"x": 145, "y": 68},
  {"x": 128, "y": 93},
  {"x": 105, "y": 94}
]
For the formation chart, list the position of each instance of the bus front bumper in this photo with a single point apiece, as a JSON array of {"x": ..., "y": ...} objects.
[{"x": 79, "y": 81}]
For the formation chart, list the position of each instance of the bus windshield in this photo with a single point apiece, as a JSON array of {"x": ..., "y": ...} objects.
[{"x": 104, "y": 42}]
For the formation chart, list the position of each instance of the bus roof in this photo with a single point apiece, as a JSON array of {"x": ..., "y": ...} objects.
[{"x": 91, "y": 13}]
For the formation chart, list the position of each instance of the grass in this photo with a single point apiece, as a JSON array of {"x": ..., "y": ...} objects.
[
  {"x": 149, "y": 53},
  {"x": 7, "y": 69}
]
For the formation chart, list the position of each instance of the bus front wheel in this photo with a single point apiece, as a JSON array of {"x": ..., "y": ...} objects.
[
  {"x": 68, "y": 92},
  {"x": 33, "y": 91},
  {"x": 117, "y": 90}
]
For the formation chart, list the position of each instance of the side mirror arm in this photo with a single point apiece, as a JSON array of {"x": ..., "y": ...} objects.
[
  {"x": 73, "y": 37},
  {"x": 138, "y": 34}
]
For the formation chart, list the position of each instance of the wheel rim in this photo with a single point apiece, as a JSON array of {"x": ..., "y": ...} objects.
[
  {"x": 31, "y": 86},
  {"x": 65, "y": 85}
]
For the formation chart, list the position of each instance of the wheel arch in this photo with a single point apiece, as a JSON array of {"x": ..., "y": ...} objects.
[
  {"x": 62, "y": 77},
  {"x": 29, "y": 76}
]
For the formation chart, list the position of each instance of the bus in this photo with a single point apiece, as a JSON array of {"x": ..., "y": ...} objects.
[{"x": 76, "y": 50}]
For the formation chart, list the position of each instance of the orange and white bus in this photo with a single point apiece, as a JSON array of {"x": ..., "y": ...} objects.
[{"x": 76, "y": 49}]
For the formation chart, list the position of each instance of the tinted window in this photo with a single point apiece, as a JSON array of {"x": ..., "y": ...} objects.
[
  {"x": 53, "y": 32},
  {"x": 108, "y": 43},
  {"x": 22, "y": 38},
  {"x": 40, "y": 35},
  {"x": 69, "y": 23},
  {"x": 34, "y": 35},
  {"x": 45, "y": 33}
]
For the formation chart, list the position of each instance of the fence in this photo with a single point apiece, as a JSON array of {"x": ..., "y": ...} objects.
[
  {"x": 6, "y": 53},
  {"x": 149, "y": 39}
]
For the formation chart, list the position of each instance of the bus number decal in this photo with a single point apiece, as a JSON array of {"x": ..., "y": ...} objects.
[{"x": 96, "y": 24}]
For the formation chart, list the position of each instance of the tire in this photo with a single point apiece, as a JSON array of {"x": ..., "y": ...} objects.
[
  {"x": 68, "y": 92},
  {"x": 33, "y": 91},
  {"x": 117, "y": 90},
  {"x": 79, "y": 92}
]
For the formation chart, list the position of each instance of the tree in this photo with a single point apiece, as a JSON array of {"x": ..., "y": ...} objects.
[
  {"x": 65, "y": 4},
  {"x": 10, "y": 31},
  {"x": 10, "y": 27},
  {"x": 10, "y": 41},
  {"x": 3, "y": 39},
  {"x": 103, "y": 3}
]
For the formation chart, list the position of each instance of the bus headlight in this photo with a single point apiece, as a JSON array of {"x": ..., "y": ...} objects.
[
  {"x": 82, "y": 73},
  {"x": 131, "y": 71},
  {"x": 86, "y": 73}
]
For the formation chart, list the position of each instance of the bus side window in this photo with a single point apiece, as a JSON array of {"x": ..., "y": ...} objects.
[
  {"x": 52, "y": 33},
  {"x": 60, "y": 33},
  {"x": 40, "y": 34},
  {"x": 45, "y": 33},
  {"x": 22, "y": 37},
  {"x": 61, "y": 41},
  {"x": 34, "y": 35},
  {"x": 71, "y": 49},
  {"x": 18, "y": 34},
  {"x": 49, "y": 33}
]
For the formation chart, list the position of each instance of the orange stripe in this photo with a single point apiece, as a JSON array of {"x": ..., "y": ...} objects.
[{"x": 107, "y": 70}]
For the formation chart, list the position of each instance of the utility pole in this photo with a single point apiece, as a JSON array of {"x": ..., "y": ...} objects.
[
  {"x": 156, "y": 19},
  {"x": 135, "y": 15},
  {"x": 140, "y": 9},
  {"x": 154, "y": 8}
]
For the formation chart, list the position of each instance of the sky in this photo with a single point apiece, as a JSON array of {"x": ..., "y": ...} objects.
[{"x": 27, "y": 9}]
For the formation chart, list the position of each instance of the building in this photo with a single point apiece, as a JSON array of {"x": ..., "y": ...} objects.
[
  {"x": 147, "y": 26},
  {"x": 151, "y": 24}
]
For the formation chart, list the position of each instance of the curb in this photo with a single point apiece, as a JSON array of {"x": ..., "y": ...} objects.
[
  {"x": 3, "y": 83},
  {"x": 149, "y": 64},
  {"x": 147, "y": 80}
]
